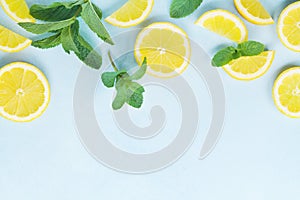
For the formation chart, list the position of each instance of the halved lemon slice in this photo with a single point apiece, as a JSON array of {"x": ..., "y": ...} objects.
[
  {"x": 17, "y": 10},
  {"x": 24, "y": 92},
  {"x": 132, "y": 13},
  {"x": 286, "y": 92},
  {"x": 250, "y": 67},
  {"x": 12, "y": 42},
  {"x": 225, "y": 24},
  {"x": 289, "y": 27},
  {"x": 253, "y": 11},
  {"x": 167, "y": 48}
]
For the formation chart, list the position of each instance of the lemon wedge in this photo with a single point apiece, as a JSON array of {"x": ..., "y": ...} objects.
[
  {"x": 225, "y": 24},
  {"x": 253, "y": 11},
  {"x": 17, "y": 10},
  {"x": 12, "y": 42},
  {"x": 131, "y": 14},
  {"x": 250, "y": 67}
]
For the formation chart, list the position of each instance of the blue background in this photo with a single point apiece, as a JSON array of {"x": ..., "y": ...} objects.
[{"x": 257, "y": 156}]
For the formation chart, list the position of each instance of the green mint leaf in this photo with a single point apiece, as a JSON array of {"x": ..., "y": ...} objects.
[
  {"x": 98, "y": 11},
  {"x": 48, "y": 42},
  {"x": 136, "y": 99},
  {"x": 183, "y": 8},
  {"x": 120, "y": 98},
  {"x": 128, "y": 92},
  {"x": 224, "y": 56},
  {"x": 251, "y": 48},
  {"x": 87, "y": 54},
  {"x": 57, "y": 11},
  {"x": 68, "y": 36},
  {"x": 109, "y": 78},
  {"x": 92, "y": 19},
  {"x": 141, "y": 72},
  {"x": 47, "y": 27}
]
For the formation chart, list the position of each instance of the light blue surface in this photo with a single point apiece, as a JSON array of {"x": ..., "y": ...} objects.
[{"x": 256, "y": 158}]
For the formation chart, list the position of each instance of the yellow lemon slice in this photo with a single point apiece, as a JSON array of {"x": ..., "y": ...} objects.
[
  {"x": 286, "y": 92},
  {"x": 250, "y": 67},
  {"x": 289, "y": 27},
  {"x": 225, "y": 24},
  {"x": 17, "y": 10},
  {"x": 131, "y": 13},
  {"x": 167, "y": 48},
  {"x": 253, "y": 11},
  {"x": 12, "y": 42},
  {"x": 24, "y": 92}
]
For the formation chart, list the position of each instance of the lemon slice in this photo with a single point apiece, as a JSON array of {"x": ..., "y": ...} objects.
[
  {"x": 17, "y": 10},
  {"x": 12, "y": 42},
  {"x": 131, "y": 13},
  {"x": 253, "y": 11},
  {"x": 225, "y": 24},
  {"x": 250, "y": 67},
  {"x": 289, "y": 27},
  {"x": 286, "y": 92},
  {"x": 167, "y": 48},
  {"x": 24, "y": 92}
]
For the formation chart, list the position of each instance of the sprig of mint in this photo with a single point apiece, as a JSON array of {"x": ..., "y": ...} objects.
[
  {"x": 61, "y": 21},
  {"x": 183, "y": 8},
  {"x": 128, "y": 91},
  {"x": 248, "y": 48}
]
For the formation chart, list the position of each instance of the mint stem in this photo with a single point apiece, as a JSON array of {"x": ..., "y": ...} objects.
[{"x": 112, "y": 62}]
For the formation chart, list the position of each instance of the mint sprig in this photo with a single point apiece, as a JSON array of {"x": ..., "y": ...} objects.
[
  {"x": 183, "y": 8},
  {"x": 128, "y": 91},
  {"x": 248, "y": 48},
  {"x": 61, "y": 22}
]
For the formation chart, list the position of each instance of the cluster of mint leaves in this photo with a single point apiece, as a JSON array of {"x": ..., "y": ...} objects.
[
  {"x": 61, "y": 23},
  {"x": 128, "y": 91},
  {"x": 183, "y": 8},
  {"x": 248, "y": 48}
]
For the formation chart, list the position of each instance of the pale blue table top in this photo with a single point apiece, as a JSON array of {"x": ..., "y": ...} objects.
[{"x": 257, "y": 156}]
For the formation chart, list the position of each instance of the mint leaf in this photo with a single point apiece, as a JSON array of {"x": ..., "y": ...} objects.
[
  {"x": 57, "y": 11},
  {"x": 224, "y": 56},
  {"x": 68, "y": 36},
  {"x": 87, "y": 54},
  {"x": 136, "y": 99},
  {"x": 92, "y": 19},
  {"x": 128, "y": 91},
  {"x": 47, "y": 27},
  {"x": 48, "y": 42},
  {"x": 109, "y": 78},
  {"x": 141, "y": 72},
  {"x": 251, "y": 48},
  {"x": 98, "y": 11},
  {"x": 120, "y": 98},
  {"x": 183, "y": 8}
]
